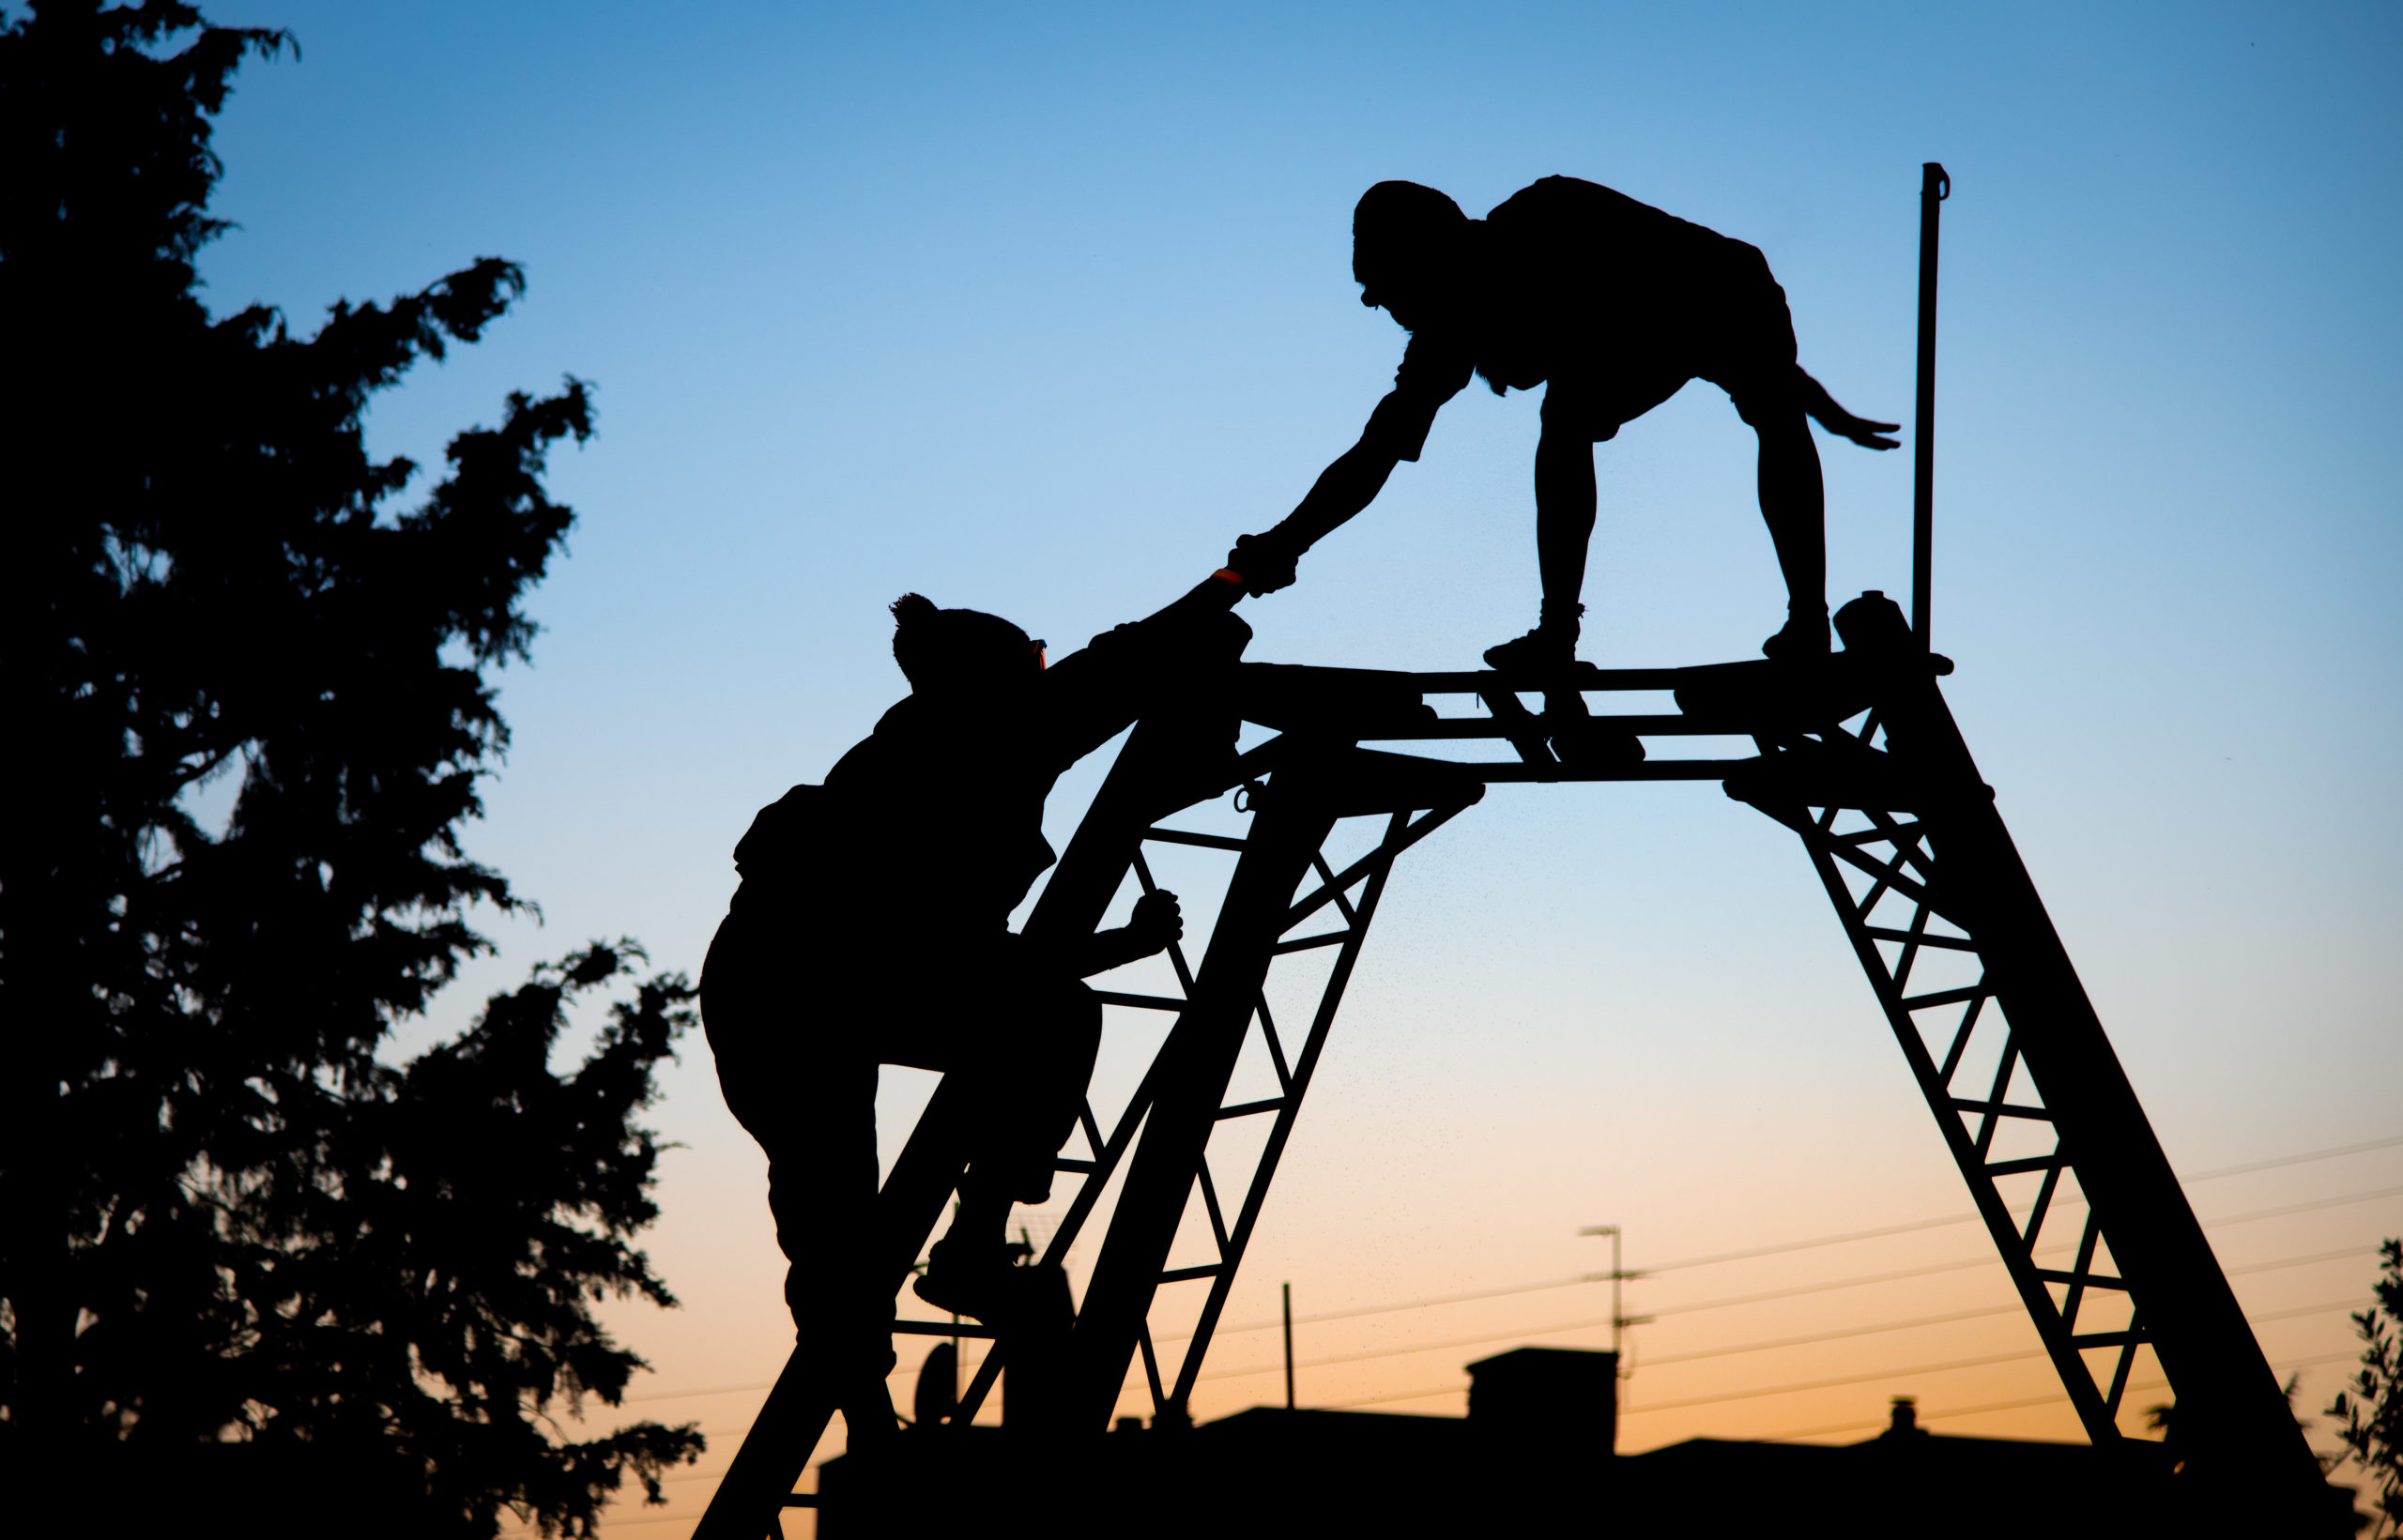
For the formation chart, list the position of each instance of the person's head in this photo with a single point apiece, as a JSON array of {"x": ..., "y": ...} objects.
[
  {"x": 959, "y": 651},
  {"x": 1407, "y": 243}
]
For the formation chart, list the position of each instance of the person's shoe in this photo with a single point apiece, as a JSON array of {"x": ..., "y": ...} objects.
[
  {"x": 869, "y": 1421},
  {"x": 1802, "y": 636},
  {"x": 976, "y": 1281},
  {"x": 1545, "y": 650}
]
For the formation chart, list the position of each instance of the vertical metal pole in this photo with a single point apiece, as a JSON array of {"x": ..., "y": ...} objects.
[
  {"x": 1619, "y": 1275},
  {"x": 1934, "y": 187},
  {"x": 1289, "y": 1346}
]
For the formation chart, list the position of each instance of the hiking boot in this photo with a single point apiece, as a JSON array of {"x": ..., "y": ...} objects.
[
  {"x": 1545, "y": 650},
  {"x": 972, "y": 1280},
  {"x": 1803, "y": 635}
]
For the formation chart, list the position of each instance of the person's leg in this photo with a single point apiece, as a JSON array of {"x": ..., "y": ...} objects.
[
  {"x": 1750, "y": 352},
  {"x": 1565, "y": 504},
  {"x": 821, "y": 1188},
  {"x": 814, "y": 1114},
  {"x": 1578, "y": 413},
  {"x": 1025, "y": 1035},
  {"x": 1041, "y": 1087},
  {"x": 1794, "y": 506}
]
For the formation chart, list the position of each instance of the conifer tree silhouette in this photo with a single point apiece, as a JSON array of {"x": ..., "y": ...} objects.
[{"x": 246, "y": 1262}]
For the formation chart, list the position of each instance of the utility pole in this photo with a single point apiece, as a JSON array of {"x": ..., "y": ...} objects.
[
  {"x": 1289, "y": 1346},
  {"x": 1618, "y": 1276}
]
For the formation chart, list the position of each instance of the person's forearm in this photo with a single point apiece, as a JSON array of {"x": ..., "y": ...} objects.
[
  {"x": 1341, "y": 491},
  {"x": 1108, "y": 948}
]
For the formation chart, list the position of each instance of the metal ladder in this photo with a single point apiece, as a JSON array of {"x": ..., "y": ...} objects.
[{"x": 1860, "y": 758}]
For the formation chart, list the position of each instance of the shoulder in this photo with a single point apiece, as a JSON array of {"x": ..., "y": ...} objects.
[
  {"x": 780, "y": 831},
  {"x": 1569, "y": 205},
  {"x": 1437, "y": 362}
]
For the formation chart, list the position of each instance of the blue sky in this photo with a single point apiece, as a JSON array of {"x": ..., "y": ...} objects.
[{"x": 1035, "y": 308}]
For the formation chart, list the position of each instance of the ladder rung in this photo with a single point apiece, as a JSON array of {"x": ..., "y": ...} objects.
[
  {"x": 801, "y": 1500},
  {"x": 2033, "y": 1162},
  {"x": 1069, "y": 1162},
  {"x": 2084, "y": 1280},
  {"x": 1141, "y": 1002},
  {"x": 1186, "y": 836},
  {"x": 1245, "y": 1109},
  {"x": 1885, "y": 933},
  {"x": 2109, "y": 1339},
  {"x": 1186, "y": 1274},
  {"x": 940, "y": 1328},
  {"x": 2004, "y": 1109},
  {"x": 1946, "y": 996},
  {"x": 1332, "y": 937}
]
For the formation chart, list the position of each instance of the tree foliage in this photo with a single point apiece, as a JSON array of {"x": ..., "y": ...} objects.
[
  {"x": 2369, "y": 1412},
  {"x": 226, "y": 1226}
]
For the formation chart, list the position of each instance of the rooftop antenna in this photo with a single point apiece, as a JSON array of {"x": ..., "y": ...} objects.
[
  {"x": 1934, "y": 187},
  {"x": 1616, "y": 1277}
]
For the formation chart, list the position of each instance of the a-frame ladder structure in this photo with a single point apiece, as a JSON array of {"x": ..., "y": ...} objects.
[{"x": 1859, "y": 756}]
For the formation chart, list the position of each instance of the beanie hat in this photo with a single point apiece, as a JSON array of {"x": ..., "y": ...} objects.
[{"x": 937, "y": 648}]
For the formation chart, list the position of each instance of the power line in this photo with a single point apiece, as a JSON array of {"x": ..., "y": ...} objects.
[
  {"x": 1523, "y": 1333},
  {"x": 2072, "y": 1202},
  {"x": 1965, "y": 1263},
  {"x": 2304, "y": 1158},
  {"x": 2308, "y": 1155},
  {"x": 1926, "y": 1416},
  {"x": 1883, "y": 1374},
  {"x": 1814, "y": 1242},
  {"x": 1936, "y": 1368},
  {"x": 1649, "y": 1362}
]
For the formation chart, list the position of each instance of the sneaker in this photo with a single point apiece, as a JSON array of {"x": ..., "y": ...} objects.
[
  {"x": 970, "y": 1280},
  {"x": 1546, "y": 649},
  {"x": 1802, "y": 636}
]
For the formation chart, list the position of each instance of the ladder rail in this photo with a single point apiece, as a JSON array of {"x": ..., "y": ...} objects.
[
  {"x": 1928, "y": 850},
  {"x": 1400, "y": 834},
  {"x": 2096, "y": 1410}
]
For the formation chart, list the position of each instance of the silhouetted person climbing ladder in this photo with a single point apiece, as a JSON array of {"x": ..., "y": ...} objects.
[
  {"x": 1614, "y": 306},
  {"x": 872, "y": 927}
]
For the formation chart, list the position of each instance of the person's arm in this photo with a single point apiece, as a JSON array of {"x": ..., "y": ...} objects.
[
  {"x": 1342, "y": 489},
  {"x": 1432, "y": 372}
]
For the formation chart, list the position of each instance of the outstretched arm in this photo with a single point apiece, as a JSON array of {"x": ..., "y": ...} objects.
[
  {"x": 1341, "y": 491},
  {"x": 1434, "y": 370}
]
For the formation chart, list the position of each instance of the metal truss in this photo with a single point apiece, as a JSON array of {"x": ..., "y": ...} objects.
[
  {"x": 1883, "y": 878},
  {"x": 1947, "y": 925},
  {"x": 1352, "y": 895}
]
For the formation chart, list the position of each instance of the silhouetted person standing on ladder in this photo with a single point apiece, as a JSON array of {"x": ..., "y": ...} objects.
[
  {"x": 872, "y": 927},
  {"x": 1612, "y": 306}
]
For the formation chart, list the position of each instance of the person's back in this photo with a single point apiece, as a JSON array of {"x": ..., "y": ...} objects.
[
  {"x": 1614, "y": 306},
  {"x": 871, "y": 927}
]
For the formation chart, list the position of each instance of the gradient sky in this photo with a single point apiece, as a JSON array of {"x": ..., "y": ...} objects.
[{"x": 1034, "y": 308}]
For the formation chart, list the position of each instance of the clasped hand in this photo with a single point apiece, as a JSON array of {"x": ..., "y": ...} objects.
[{"x": 1157, "y": 921}]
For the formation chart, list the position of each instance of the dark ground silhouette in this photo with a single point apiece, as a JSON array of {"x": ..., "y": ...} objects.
[{"x": 1612, "y": 306}]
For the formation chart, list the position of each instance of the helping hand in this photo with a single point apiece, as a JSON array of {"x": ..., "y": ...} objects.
[
  {"x": 1266, "y": 566},
  {"x": 1157, "y": 921}
]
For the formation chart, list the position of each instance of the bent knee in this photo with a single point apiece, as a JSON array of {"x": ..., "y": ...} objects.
[{"x": 1768, "y": 403}]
